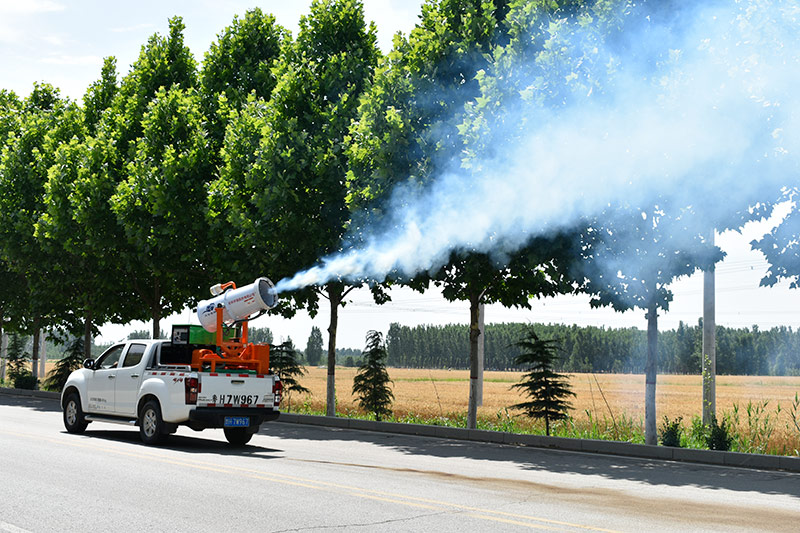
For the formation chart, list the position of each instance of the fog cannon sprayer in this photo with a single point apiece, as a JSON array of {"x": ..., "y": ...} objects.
[{"x": 237, "y": 304}]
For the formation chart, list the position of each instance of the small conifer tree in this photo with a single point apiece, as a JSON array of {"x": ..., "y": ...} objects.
[
  {"x": 17, "y": 356},
  {"x": 546, "y": 389},
  {"x": 371, "y": 383},
  {"x": 283, "y": 361},
  {"x": 72, "y": 360}
]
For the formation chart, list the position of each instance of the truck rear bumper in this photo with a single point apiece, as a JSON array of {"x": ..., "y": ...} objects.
[{"x": 214, "y": 417}]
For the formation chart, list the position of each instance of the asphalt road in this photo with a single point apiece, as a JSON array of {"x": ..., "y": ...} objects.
[{"x": 301, "y": 478}]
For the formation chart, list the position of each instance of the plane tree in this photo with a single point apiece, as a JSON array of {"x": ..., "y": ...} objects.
[
  {"x": 162, "y": 202},
  {"x": 12, "y": 284},
  {"x": 46, "y": 121},
  {"x": 407, "y": 134},
  {"x": 282, "y": 184},
  {"x": 73, "y": 223},
  {"x": 238, "y": 66},
  {"x": 164, "y": 62},
  {"x": 630, "y": 257}
]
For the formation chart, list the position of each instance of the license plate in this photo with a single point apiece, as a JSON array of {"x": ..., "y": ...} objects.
[{"x": 237, "y": 421}]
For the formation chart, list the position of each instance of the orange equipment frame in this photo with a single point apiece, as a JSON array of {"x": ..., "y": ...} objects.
[{"x": 236, "y": 354}]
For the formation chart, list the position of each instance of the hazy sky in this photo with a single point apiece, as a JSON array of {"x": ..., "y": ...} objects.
[{"x": 63, "y": 43}]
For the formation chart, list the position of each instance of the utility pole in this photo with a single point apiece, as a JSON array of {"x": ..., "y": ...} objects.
[{"x": 709, "y": 362}]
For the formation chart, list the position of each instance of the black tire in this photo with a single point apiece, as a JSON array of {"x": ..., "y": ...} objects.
[
  {"x": 238, "y": 436},
  {"x": 74, "y": 419},
  {"x": 151, "y": 425}
]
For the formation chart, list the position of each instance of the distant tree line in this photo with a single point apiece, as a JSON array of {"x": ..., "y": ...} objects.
[{"x": 740, "y": 351}]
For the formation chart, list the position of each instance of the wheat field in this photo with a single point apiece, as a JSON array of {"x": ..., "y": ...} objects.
[
  {"x": 439, "y": 392},
  {"x": 444, "y": 393}
]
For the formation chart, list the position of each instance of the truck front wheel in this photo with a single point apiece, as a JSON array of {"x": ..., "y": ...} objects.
[
  {"x": 74, "y": 420},
  {"x": 238, "y": 436},
  {"x": 151, "y": 425}
]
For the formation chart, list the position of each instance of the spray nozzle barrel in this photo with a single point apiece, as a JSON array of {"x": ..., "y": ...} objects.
[{"x": 238, "y": 304}]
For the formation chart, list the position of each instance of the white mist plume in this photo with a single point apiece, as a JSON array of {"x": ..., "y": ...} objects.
[{"x": 712, "y": 128}]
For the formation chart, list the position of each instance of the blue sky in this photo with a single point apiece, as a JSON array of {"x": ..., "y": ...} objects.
[{"x": 63, "y": 42}]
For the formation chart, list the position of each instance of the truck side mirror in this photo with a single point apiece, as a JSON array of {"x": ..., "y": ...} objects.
[{"x": 89, "y": 363}]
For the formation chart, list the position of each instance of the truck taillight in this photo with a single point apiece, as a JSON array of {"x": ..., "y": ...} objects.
[
  {"x": 277, "y": 390},
  {"x": 192, "y": 387}
]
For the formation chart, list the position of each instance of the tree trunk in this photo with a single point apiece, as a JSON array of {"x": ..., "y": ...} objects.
[
  {"x": 474, "y": 334},
  {"x": 651, "y": 370},
  {"x": 156, "y": 310},
  {"x": 36, "y": 333},
  {"x": 3, "y": 350},
  {"x": 709, "y": 362},
  {"x": 87, "y": 335},
  {"x": 335, "y": 298},
  {"x": 42, "y": 354}
]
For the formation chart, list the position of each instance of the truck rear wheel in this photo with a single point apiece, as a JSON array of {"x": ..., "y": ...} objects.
[
  {"x": 151, "y": 425},
  {"x": 74, "y": 420},
  {"x": 238, "y": 436}
]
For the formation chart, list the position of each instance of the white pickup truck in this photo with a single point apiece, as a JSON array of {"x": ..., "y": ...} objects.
[{"x": 149, "y": 383}]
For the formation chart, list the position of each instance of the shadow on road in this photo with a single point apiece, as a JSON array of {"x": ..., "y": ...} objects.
[
  {"x": 38, "y": 404},
  {"x": 667, "y": 473},
  {"x": 108, "y": 432},
  {"x": 183, "y": 443}
]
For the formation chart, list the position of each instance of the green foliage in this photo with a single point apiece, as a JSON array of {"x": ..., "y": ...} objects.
[
  {"x": 546, "y": 389},
  {"x": 656, "y": 244},
  {"x": 408, "y": 120},
  {"x": 46, "y": 123},
  {"x": 145, "y": 334},
  {"x": 280, "y": 200},
  {"x": 718, "y": 435},
  {"x": 17, "y": 356},
  {"x": 163, "y": 62},
  {"x": 239, "y": 64},
  {"x": 259, "y": 335},
  {"x": 671, "y": 432},
  {"x": 314, "y": 347},
  {"x": 72, "y": 360},
  {"x": 25, "y": 380},
  {"x": 794, "y": 414},
  {"x": 741, "y": 351},
  {"x": 781, "y": 246},
  {"x": 129, "y": 133},
  {"x": 371, "y": 382},
  {"x": 77, "y": 224},
  {"x": 100, "y": 95},
  {"x": 350, "y": 361},
  {"x": 754, "y": 433},
  {"x": 280, "y": 197},
  {"x": 10, "y": 107},
  {"x": 161, "y": 204},
  {"x": 283, "y": 361}
]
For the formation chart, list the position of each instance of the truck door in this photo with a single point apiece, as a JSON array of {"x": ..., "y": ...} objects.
[
  {"x": 129, "y": 376},
  {"x": 100, "y": 383}
]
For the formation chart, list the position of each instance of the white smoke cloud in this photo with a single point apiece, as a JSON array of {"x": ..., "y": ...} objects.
[{"x": 714, "y": 126}]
